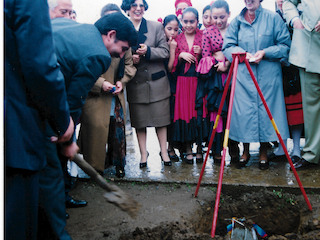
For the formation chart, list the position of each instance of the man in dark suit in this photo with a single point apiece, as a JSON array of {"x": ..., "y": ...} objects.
[
  {"x": 34, "y": 92},
  {"x": 63, "y": 9},
  {"x": 84, "y": 52}
]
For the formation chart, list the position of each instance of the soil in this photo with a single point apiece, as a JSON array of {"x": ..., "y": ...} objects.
[{"x": 170, "y": 211}]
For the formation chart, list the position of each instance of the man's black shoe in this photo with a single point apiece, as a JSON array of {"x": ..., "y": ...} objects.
[
  {"x": 303, "y": 164},
  {"x": 72, "y": 203},
  {"x": 277, "y": 158},
  {"x": 295, "y": 159}
]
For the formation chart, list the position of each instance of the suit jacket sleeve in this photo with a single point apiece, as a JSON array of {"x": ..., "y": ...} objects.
[
  {"x": 161, "y": 50},
  {"x": 44, "y": 82},
  {"x": 290, "y": 10},
  {"x": 129, "y": 72},
  {"x": 86, "y": 74},
  {"x": 129, "y": 69},
  {"x": 97, "y": 87},
  {"x": 309, "y": 14}
]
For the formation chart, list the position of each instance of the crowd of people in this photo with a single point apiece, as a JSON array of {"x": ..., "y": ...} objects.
[
  {"x": 172, "y": 74},
  {"x": 197, "y": 63}
]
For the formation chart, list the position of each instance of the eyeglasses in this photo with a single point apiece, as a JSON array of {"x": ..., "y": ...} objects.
[
  {"x": 66, "y": 11},
  {"x": 135, "y": 5},
  {"x": 190, "y": 21}
]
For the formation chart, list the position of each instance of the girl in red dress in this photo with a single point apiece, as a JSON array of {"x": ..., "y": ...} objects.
[{"x": 187, "y": 55}]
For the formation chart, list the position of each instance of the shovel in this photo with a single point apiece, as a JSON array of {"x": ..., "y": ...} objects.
[{"x": 114, "y": 194}]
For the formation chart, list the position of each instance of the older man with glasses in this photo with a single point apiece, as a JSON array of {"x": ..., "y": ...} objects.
[
  {"x": 60, "y": 8},
  {"x": 55, "y": 182},
  {"x": 63, "y": 9}
]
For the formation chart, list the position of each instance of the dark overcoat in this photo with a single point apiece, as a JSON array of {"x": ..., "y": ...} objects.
[
  {"x": 34, "y": 86},
  {"x": 83, "y": 58},
  {"x": 34, "y": 92}
]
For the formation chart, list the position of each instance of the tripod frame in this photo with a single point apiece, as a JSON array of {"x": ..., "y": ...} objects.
[{"x": 239, "y": 58}]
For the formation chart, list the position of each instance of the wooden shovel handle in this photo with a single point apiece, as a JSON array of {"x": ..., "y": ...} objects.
[{"x": 88, "y": 169}]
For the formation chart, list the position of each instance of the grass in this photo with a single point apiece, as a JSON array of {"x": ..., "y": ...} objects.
[{"x": 287, "y": 197}]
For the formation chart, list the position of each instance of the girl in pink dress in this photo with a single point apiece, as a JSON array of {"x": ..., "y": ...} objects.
[{"x": 187, "y": 55}]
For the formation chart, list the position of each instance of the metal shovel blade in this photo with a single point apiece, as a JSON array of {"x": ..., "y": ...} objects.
[{"x": 114, "y": 194}]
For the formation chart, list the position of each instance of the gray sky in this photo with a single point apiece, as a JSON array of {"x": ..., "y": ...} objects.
[{"x": 89, "y": 11}]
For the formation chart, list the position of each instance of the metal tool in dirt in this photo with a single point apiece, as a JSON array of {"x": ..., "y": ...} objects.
[
  {"x": 243, "y": 229},
  {"x": 114, "y": 194}
]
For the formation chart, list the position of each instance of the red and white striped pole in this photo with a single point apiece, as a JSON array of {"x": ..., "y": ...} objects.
[{"x": 225, "y": 143}]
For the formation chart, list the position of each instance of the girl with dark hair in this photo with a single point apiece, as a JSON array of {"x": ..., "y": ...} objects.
[
  {"x": 220, "y": 14},
  {"x": 171, "y": 20},
  {"x": 187, "y": 55},
  {"x": 149, "y": 91},
  {"x": 206, "y": 16},
  {"x": 171, "y": 29},
  {"x": 214, "y": 76}
]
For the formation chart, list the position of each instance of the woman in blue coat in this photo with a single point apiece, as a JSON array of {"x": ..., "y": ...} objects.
[{"x": 264, "y": 37}]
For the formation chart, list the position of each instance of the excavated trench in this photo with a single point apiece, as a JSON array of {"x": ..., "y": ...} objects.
[
  {"x": 281, "y": 215},
  {"x": 275, "y": 212}
]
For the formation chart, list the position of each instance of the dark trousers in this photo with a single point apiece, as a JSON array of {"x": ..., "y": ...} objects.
[
  {"x": 21, "y": 204},
  {"x": 116, "y": 154},
  {"x": 52, "y": 196},
  {"x": 68, "y": 185}
]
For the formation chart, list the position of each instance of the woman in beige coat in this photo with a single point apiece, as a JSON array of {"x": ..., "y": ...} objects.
[{"x": 104, "y": 113}]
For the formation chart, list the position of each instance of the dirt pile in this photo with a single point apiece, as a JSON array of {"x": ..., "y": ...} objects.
[
  {"x": 274, "y": 212},
  {"x": 165, "y": 231},
  {"x": 169, "y": 211}
]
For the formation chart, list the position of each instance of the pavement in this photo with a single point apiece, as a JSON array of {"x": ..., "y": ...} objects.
[{"x": 277, "y": 176}]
